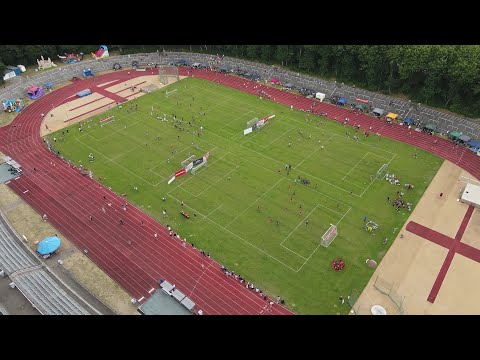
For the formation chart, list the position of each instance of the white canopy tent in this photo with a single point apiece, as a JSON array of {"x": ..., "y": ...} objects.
[{"x": 320, "y": 96}]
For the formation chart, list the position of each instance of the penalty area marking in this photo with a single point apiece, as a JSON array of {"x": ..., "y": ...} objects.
[{"x": 239, "y": 237}]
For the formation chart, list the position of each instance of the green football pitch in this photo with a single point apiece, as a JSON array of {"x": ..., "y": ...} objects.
[{"x": 246, "y": 209}]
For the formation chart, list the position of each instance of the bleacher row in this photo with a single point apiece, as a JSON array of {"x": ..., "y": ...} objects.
[{"x": 29, "y": 276}]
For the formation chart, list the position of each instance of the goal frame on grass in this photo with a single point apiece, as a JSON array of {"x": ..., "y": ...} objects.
[
  {"x": 194, "y": 170},
  {"x": 187, "y": 160},
  {"x": 329, "y": 236},
  {"x": 252, "y": 122},
  {"x": 165, "y": 71},
  {"x": 381, "y": 172}
]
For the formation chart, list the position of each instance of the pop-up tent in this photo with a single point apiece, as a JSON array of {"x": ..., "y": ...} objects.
[
  {"x": 454, "y": 135},
  {"x": 320, "y": 96},
  {"x": 275, "y": 81},
  {"x": 378, "y": 112},
  {"x": 48, "y": 245},
  {"x": 408, "y": 121},
  {"x": 225, "y": 69},
  {"x": 359, "y": 106},
  {"x": 474, "y": 144},
  {"x": 430, "y": 127},
  {"x": 392, "y": 116},
  {"x": 464, "y": 138},
  {"x": 342, "y": 101}
]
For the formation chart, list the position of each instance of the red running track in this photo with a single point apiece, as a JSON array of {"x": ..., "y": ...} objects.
[
  {"x": 128, "y": 253},
  {"x": 69, "y": 198}
]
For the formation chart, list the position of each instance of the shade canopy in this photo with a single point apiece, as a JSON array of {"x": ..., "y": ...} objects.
[
  {"x": 408, "y": 120},
  {"x": 430, "y": 126},
  {"x": 474, "y": 143},
  {"x": 342, "y": 101},
  {"x": 48, "y": 245},
  {"x": 360, "y": 106},
  {"x": 464, "y": 138},
  {"x": 275, "y": 80},
  {"x": 392, "y": 116},
  {"x": 378, "y": 111},
  {"x": 454, "y": 135}
]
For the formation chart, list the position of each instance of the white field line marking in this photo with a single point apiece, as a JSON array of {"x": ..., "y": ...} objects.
[
  {"x": 371, "y": 182},
  {"x": 300, "y": 268},
  {"x": 303, "y": 172},
  {"x": 264, "y": 193},
  {"x": 273, "y": 172},
  {"x": 239, "y": 237},
  {"x": 285, "y": 133},
  {"x": 354, "y": 166},
  {"x": 313, "y": 152},
  {"x": 287, "y": 248},
  {"x": 216, "y": 182},
  {"x": 238, "y": 117},
  {"x": 300, "y": 223},
  {"x": 124, "y": 168}
]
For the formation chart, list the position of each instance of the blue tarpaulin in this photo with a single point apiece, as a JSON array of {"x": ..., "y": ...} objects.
[
  {"x": 408, "y": 120},
  {"x": 474, "y": 143},
  {"x": 48, "y": 245},
  {"x": 342, "y": 101}
]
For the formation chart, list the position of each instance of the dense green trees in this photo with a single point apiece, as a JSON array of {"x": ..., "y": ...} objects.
[{"x": 445, "y": 76}]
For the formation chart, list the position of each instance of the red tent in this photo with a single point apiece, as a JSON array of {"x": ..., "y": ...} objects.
[{"x": 275, "y": 81}]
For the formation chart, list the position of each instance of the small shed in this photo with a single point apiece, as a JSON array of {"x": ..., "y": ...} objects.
[{"x": 471, "y": 195}]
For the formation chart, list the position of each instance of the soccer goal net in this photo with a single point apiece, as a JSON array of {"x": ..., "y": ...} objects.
[
  {"x": 196, "y": 168},
  {"x": 329, "y": 235},
  {"x": 252, "y": 122},
  {"x": 381, "y": 172},
  {"x": 166, "y": 71},
  {"x": 188, "y": 160}
]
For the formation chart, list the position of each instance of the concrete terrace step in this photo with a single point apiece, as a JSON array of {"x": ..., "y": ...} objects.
[
  {"x": 12, "y": 256},
  {"x": 48, "y": 296}
]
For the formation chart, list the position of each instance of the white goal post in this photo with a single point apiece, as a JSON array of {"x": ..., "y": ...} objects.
[
  {"x": 196, "y": 168},
  {"x": 329, "y": 235},
  {"x": 187, "y": 160},
  {"x": 381, "y": 172}
]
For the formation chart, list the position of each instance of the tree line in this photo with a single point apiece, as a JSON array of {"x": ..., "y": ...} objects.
[{"x": 445, "y": 76}]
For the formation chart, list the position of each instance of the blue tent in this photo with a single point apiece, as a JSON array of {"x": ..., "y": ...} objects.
[
  {"x": 474, "y": 143},
  {"x": 48, "y": 245},
  {"x": 342, "y": 101},
  {"x": 408, "y": 120}
]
